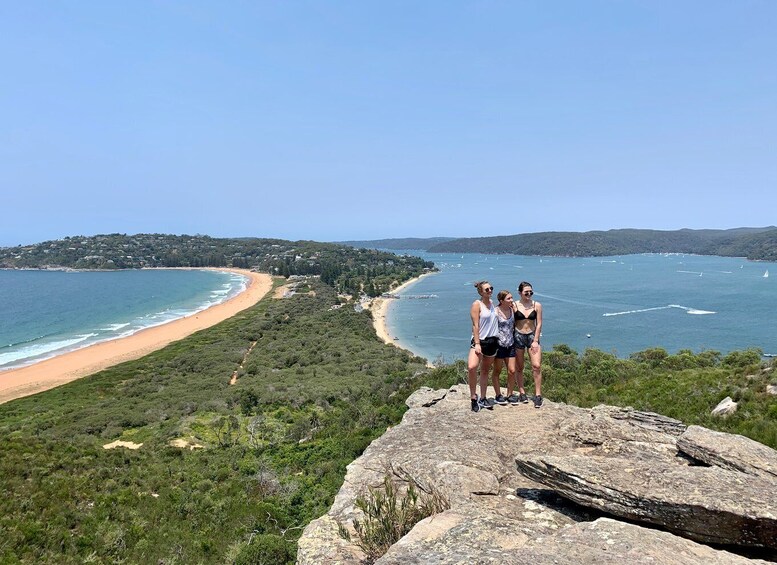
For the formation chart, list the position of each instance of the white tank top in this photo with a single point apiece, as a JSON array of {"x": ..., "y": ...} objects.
[{"x": 489, "y": 323}]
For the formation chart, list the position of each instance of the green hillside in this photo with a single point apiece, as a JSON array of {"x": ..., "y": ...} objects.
[
  {"x": 753, "y": 243},
  {"x": 316, "y": 388}
]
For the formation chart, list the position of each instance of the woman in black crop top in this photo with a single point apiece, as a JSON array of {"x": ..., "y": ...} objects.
[{"x": 528, "y": 329}]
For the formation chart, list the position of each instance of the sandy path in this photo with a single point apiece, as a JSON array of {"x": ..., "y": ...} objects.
[{"x": 62, "y": 369}]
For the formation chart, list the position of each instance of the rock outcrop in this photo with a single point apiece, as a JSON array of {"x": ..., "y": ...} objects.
[
  {"x": 551, "y": 486},
  {"x": 725, "y": 407}
]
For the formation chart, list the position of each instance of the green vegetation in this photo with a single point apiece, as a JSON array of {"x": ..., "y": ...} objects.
[
  {"x": 316, "y": 389},
  {"x": 349, "y": 270},
  {"x": 686, "y": 385},
  {"x": 399, "y": 242},
  {"x": 390, "y": 512},
  {"x": 753, "y": 243}
]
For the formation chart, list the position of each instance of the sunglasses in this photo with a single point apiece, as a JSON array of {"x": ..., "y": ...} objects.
[
  {"x": 488, "y": 289},
  {"x": 528, "y": 293}
]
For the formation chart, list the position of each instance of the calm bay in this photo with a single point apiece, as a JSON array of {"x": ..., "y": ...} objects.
[{"x": 618, "y": 304}]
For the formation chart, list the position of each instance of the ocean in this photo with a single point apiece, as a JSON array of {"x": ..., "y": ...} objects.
[
  {"x": 618, "y": 304},
  {"x": 47, "y": 313}
]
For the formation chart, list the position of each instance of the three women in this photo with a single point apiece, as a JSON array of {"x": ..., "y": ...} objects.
[{"x": 500, "y": 336}]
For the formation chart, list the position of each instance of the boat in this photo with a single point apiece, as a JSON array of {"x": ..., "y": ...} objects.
[
  {"x": 587, "y": 335},
  {"x": 766, "y": 274}
]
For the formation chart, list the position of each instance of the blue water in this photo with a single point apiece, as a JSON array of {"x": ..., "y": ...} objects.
[
  {"x": 46, "y": 313},
  {"x": 626, "y": 304}
]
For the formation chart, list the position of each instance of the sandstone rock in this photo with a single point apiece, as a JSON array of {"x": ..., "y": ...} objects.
[
  {"x": 499, "y": 515},
  {"x": 725, "y": 407},
  {"x": 771, "y": 389},
  {"x": 626, "y": 432},
  {"x": 425, "y": 397},
  {"x": 321, "y": 543},
  {"x": 729, "y": 451},
  {"x": 707, "y": 504},
  {"x": 606, "y": 541}
]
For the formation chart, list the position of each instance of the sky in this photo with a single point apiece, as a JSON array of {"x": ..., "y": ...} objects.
[{"x": 354, "y": 120}]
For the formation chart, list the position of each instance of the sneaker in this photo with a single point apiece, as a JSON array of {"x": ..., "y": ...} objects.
[
  {"x": 537, "y": 401},
  {"x": 486, "y": 403},
  {"x": 513, "y": 399},
  {"x": 501, "y": 399},
  {"x": 523, "y": 398},
  {"x": 475, "y": 404}
]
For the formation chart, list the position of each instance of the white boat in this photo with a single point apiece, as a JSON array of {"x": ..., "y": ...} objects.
[{"x": 766, "y": 274}]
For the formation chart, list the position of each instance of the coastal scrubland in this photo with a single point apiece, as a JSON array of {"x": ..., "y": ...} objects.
[
  {"x": 232, "y": 473},
  {"x": 317, "y": 387}
]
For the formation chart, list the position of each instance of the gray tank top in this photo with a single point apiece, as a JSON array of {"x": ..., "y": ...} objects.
[{"x": 489, "y": 323}]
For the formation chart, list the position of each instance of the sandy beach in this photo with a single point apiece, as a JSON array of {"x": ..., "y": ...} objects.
[
  {"x": 379, "y": 308},
  {"x": 15, "y": 383}
]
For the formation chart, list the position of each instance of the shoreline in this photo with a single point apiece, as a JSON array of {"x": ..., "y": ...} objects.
[
  {"x": 56, "y": 371},
  {"x": 379, "y": 308}
]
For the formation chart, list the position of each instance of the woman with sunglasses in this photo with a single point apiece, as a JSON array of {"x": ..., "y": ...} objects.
[
  {"x": 485, "y": 340},
  {"x": 528, "y": 329}
]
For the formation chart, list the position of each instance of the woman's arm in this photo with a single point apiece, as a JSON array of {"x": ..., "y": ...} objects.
[
  {"x": 474, "y": 313},
  {"x": 538, "y": 326}
]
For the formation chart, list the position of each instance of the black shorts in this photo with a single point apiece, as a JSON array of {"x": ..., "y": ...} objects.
[{"x": 488, "y": 346}]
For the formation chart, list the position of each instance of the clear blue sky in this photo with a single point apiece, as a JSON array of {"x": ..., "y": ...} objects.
[{"x": 363, "y": 119}]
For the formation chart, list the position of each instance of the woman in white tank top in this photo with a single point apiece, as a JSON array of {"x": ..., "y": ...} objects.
[{"x": 485, "y": 340}]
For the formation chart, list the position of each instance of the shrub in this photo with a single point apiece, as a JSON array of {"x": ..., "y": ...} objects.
[
  {"x": 389, "y": 515},
  {"x": 266, "y": 549}
]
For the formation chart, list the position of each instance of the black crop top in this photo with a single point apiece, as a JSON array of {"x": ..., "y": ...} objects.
[{"x": 532, "y": 316}]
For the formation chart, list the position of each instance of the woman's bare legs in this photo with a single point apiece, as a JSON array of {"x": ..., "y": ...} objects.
[
  {"x": 495, "y": 376},
  {"x": 485, "y": 366},
  {"x": 511, "y": 376},
  {"x": 473, "y": 360},
  {"x": 520, "y": 361},
  {"x": 536, "y": 368}
]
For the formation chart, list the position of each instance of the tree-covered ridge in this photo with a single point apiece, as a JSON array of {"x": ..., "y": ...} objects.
[
  {"x": 753, "y": 243},
  {"x": 415, "y": 243},
  {"x": 345, "y": 268}
]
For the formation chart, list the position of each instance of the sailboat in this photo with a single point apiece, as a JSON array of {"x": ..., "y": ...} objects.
[{"x": 766, "y": 274}]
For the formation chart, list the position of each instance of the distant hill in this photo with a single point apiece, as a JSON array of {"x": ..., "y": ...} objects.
[
  {"x": 347, "y": 269},
  {"x": 753, "y": 243},
  {"x": 410, "y": 243}
]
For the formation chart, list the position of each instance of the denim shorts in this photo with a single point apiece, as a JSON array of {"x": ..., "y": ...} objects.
[
  {"x": 505, "y": 352},
  {"x": 523, "y": 341}
]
